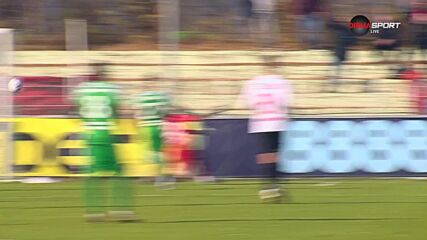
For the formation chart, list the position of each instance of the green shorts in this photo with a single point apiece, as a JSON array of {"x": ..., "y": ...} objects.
[
  {"x": 155, "y": 135},
  {"x": 103, "y": 159}
]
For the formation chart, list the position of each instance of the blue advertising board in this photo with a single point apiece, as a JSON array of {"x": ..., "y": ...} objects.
[{"x": 325, "y": 147}]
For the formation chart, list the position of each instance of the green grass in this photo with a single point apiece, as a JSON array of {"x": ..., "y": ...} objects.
[{"x": 350, "y": 209}]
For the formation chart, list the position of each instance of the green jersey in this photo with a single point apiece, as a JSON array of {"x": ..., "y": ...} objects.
[
  {"x": 152, "y": 107},
  {"x": 98, "y": 104}
]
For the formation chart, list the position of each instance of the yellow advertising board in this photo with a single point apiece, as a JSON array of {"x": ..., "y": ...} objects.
[{"x": 54, "y": 147}]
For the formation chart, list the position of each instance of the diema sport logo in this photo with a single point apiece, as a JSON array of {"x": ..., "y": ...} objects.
[{"x": 361, "y": 25}]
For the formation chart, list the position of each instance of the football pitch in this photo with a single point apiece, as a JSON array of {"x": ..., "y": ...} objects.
[{"x": 343, "y": 209}]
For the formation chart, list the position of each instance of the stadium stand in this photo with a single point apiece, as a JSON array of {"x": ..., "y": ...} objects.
[{"x": 214, "y": 78}]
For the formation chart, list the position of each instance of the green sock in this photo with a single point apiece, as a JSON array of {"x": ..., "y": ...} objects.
[
  {"x": 122, "y": 195},
  {"x": 95, "y": 195}
]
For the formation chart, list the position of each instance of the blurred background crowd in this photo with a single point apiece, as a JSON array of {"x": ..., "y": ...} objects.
[
  {"x": 311, "y": 38},
  {"x": 294, "y": 24}
]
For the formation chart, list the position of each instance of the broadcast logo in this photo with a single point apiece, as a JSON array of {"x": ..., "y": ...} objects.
[{"x": 360, "y": 25}]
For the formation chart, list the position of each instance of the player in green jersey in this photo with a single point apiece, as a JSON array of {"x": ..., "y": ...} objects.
[
  {"x": 151, "y": 108},
  {"x": 98, "y": 104}
]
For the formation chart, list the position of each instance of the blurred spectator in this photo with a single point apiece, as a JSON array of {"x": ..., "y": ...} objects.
[
  {"x": 403, "y": 7},
  {"x": 244, "y": 8},
  {"x": 343, "y": 40},
  {"x": 406, "y": 32},
  {"x": 388, "y": 39},
  {"x": 52, "y": 12},
  {"x": 417, "y": 88},
  {"x": 310, "y": 22},
  {"x": 387, "y": 45},
  {"x": 265, "y": 21},
  {"x": 11, "y": 9},
  {"x": 418, "y": 19}
]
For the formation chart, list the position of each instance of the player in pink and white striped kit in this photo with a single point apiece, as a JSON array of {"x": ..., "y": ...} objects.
[{"x": 268, "y": 97}]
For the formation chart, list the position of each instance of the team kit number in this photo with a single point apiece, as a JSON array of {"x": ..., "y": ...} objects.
[
  {"x": 96, "y": 107},
  {"x": 266, "y": 104}
]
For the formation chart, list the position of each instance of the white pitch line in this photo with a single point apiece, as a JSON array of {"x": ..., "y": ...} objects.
[
  {"x": 200, "y": 195},
  {"x": 416, "y": 178},
  {"x": 10, "y": 181},
  {"x": 325, "y": 184}
]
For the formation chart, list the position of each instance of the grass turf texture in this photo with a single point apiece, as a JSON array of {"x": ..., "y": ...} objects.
[{"x": 350, "y": 209}]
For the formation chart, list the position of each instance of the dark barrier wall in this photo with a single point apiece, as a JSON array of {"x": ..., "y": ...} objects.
[
  {"x": 326, "y": 147},
  {"x": 230, "y": 149}
]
